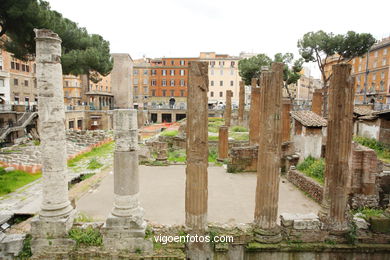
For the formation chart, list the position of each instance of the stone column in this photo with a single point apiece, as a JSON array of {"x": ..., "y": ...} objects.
[
  {"x": 223, "y": 143},
  {"x": 338, "y": 147},
  {"x": 286, "y": 107},
  {"x": 241, "y": 103},
  {"x": 56, "y": 214},
  {"x": 228, "y": 108},
  {"x": 121, "y": 80},
  {"x": 196, "y": 192},
  {"x": 268, "y": 168},
  {"x": 316, "y": 103},
  {"x": 254, "y": 118},
  {"x": 125, "y": 226}
]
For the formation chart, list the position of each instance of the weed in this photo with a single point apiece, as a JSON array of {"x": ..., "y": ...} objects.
[
  {"x": 94, "y": 164},
  {"x": 26, "y": 249},
  {"x": 88, "y": 236},
  {"x": 351, "y": 235},
  {"x": 313, "y": 168},
  {"x": 82, "y": 217}
]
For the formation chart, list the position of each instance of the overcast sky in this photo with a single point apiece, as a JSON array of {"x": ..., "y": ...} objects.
[{"x": 177, "y": 28}]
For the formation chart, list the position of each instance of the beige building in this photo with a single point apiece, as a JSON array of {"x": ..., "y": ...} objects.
[
  {"x": 141, "y": 81},
  {"x": 223, "y": 76}
]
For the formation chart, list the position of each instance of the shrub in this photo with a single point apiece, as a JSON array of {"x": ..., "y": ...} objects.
[
  {"x": 368, "y": 212},
  {"x": 313, "y": 168},
  {"x": 382, "y": 150},
  {"x": 239, "y": 129},
  {"x": 88, "y": 236}
]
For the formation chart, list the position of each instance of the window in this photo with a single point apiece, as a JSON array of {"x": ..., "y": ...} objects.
[
  {"x": 358, "y": 79},
  {"x": 153, "y": 92},
  {"x": 382, "y": 75},
  {"x": 135, "y": 91},
  {"x": 212, "y": 83},
  {"x": 16, "y": 100},
  {"x": 16, "y": 82},
  {"x": 221, "y": 71},
  {"x": 231, "y": 83},
  {"x": 385, "y": 52},
  {"x": 221, "y": 63},
  {"x": 26, "y": 83},
  {"x": 164, "y": 93},
  {"x": 164, "y": 62},
  {"x": 360, "y": 67},
  {"x": 164, "y": 72},
  {"x": 182, "y": 93},
  {"x": 153, "y": 82},
  {"x": 26, "y": 101},
  {"x": 135, "y": 81},
  {"x": 172, "y": 83},
  {"x": 1, "y": 83},
  {"x": 374, "y": 77},
  {"x": 182, "y": 62},
  {"x": 212, "y": 94},
  {"x": 1, "y": 64},
  {"x": 71, "y": 124},
  {"x": 12, "y": 65},
  {"x": 220, "y": 94},
  {"x": 212, "y": 64},
  {"x": 164, "y": 82},
  {"x": 384, "y": 61},
  {"x": 172, "y": 62},
  {"x": 374, "y": 65},
  {"x": 232, "y": 64},
  {"x": 358, "y": 88},
  {"x": 153, "y": 72},
  {"x": 172, "y": 72},
  {"x": 221, "y": 83},
  {"x": 145, "y": 72},
  {"x": 172, "y": 93},
  {"x": 23, "y": 67},
  {"x": 145, "y": 90},
  {"x": 182, "y": 83},
  {"x": 145, "y": 81},
  {"x": 17, "y": 66},
  {"x": 382, "y": 85},
  {"x": 27, "y": 68},
  {"x": 211, "y": 72},
  {"x": 182, "y": 73},
  {"x": 376, "y": 54}
]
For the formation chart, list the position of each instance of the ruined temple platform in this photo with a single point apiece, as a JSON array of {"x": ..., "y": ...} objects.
[{"x": 231, "y": 196}]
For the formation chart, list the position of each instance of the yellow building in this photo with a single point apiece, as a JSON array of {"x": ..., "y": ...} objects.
[
  {"x": 72, "y": 90},
  {"x": 141, "y": 81}
]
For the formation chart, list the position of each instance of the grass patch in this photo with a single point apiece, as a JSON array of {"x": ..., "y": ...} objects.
[
  {"x": 94, "y": 164},
  {"x": 213, "y": 154},
  {"x": 170, "y": 133},
  {"x": 238, "y": 128},
  {"x": 13, "y": 180},
  {"x": 367, "y": 212},
  {"x": 86, "y": 176},
  {"x": 36, "y": 142},
  {"x": 88, "y": 236},
  {"x": 240, "y": 136},
  {"x": 177, "y": 155},
  {"x": 314, "y": 168},
  {"x": 26, "y": 250},
  {"x": 100, "y": 151},
  {"x": 82, "y": 217},
  {"x": 213, "y": 138},
  {"x": 213, "y": 126},
  {"x": 216, "y": 119},
  {"x": 382, "y": 150}
]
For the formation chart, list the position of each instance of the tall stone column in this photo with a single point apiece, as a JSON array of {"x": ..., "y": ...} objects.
[
  {"x": 338, "y": 147},
  {"x": 286, "y": 118},
  {"x": 125, "y": 226},
  {"x": 254, "y": 118},
  {"x": 56, "y": 214},
  {"x": 196, "y": 192},
  {"x": 268, "y": 168},
  {"x": 241, "y": 103},
  {"x": 228, "y": 108},
  {"x": 223, "y": 143},
  {"x": 121, "y": 82}
]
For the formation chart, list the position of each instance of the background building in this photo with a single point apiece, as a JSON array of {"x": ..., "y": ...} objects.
[
  {"x": 223, "y": 76},
  {"x": 302, "y": 91},
  {"x": 141, "y": 82}
]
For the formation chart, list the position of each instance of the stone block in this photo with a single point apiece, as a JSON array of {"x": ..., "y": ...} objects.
[
  {"x": 130, "y": 244},
  {"x": 360, "y": 222},
  {"x": 380, "y": 224},
  {"x": 51, "y": 227},
  {"x": 12, "y": 244},
  {"x": 43, "y": 246}
]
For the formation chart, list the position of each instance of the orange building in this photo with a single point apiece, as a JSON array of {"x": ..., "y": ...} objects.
[
  {"x": 372, "y": 76},
  {"x": 168, "y": 82},
  {"x": 141, "y": 82}
]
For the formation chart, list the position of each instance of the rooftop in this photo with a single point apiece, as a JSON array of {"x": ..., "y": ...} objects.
[{"x": 309, "y": 118}]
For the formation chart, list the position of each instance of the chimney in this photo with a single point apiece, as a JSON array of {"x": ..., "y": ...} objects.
[{"x": 316, "y": 103}]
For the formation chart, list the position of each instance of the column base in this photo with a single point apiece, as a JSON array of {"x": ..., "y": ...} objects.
[
  {"x": 49, "y": 235},
  {"x": 268, "y": 236},
  {"x": 123, "y": 233},
  {"x": 196, "y": 251}
]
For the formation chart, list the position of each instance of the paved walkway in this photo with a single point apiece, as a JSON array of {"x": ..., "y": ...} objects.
[{"x": 231, "y": 196}]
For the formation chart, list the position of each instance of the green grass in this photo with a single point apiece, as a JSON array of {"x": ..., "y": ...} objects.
[
  {"x": 13, "y": 180},
  {"x": 177, "y": 155},
  {"x": 213, "y": 126},
  {"x": 367, "y": 212},
  {"x": 382, "y": 150},
  {"x": 240, "y": 136},
  {"x": 239, "y": 129},
  {"x": 313, "y": 168},
  {"x": 216, "y": 119},
  {"x": 94, "y": 164},
  {"x": 88, "y": 236},
  {"x": 86, "y": 176},
  {"x": 100, "y": 151},
  {"x": 213, "y": 138},
  {"x": 170, "y": 133},
  {"x": 213, "y": 154}
]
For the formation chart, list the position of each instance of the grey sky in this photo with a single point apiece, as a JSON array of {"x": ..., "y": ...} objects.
[{"x": 158, "y": 28}]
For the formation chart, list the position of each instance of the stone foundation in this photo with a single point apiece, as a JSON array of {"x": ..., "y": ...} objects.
[{"x": 306, "y": 184}]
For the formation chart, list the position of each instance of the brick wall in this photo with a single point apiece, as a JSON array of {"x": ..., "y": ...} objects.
[{"x": 308, "y": 185}]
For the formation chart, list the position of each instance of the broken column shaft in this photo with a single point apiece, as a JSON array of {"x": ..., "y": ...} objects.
[
  {"x": 286, "y": 107},
  {"x": 223, "y": 143},
  {"x": 268, "y": 168},
  {"x": 241, "y": 103},
  {"x": 338, "y": 147},
  {"x": 254, "y": 116},
  {"x": 228, "y": 108}
]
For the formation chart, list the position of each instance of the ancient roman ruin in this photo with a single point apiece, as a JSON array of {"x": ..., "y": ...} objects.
[{"x": 267, "y": 156}]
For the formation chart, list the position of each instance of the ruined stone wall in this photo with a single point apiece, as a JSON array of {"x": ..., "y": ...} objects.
[
  {"x": 307, "y": 184},
  {"x": 243, "y": 159}
]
